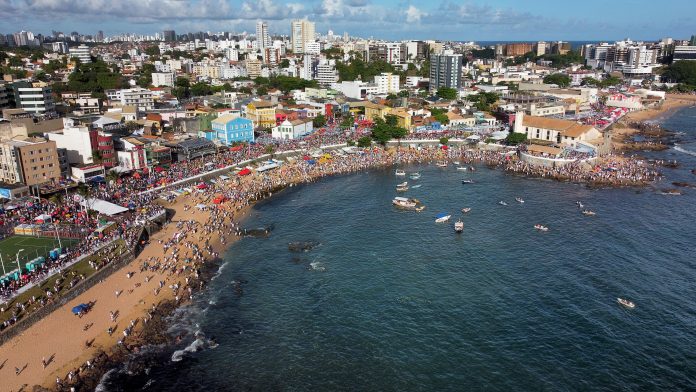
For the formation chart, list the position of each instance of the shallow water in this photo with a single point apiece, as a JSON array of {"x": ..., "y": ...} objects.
[{"x": 388, "y": 300}]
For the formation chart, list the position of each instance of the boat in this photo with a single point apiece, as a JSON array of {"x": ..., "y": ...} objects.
[
  {"x": 415, "y": 176},
  {"x": 419, "y": 209},
  {"x": 443, "y": 217},
  {"x": 456, "y": 163},
  {"x": 402, "y": 184},
  {"x": 442, "y": 164},
  {"x": 580, "y": 205},
  {"x": 541, "y": 227},
  {"x": 416, "y": 186},
  {"x": 502, "y": 203},
  {"x": 626, "y": 303},
  {"x": 465, "y": 210},
  {"x": 467, "y": 181},
  {"x": 588, "y": 213},
  {"x": 519, "y": 200},
  {"x": 400, "y": 172},
  {"x": 462, "y": 168},
  {"x": 459, "y": 226},
  {"x": 401, "y": 188},
  {"x": 403, "y": 202},
  {"x": 471, "y": 168}
]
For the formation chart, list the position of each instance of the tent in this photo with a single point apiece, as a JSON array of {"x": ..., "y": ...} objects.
[
  {"x": 103, "y": 206},
  {"x": 236, "y": 148},
  {"x": 80, "y": 309},
  {"x": 202, "y": 186},
  {"x": 244, "y": 172},
  {"x": 43, "y": 218}
]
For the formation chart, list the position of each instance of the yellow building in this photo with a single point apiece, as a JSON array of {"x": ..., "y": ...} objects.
[
  {"x": 403, "y": 119},
  {"x": 262, "y": 113}
]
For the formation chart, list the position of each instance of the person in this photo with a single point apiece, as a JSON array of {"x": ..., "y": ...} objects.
[{"x": 17, "y": 371}]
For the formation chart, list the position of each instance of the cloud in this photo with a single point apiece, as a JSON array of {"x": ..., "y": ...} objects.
[{"x": 413, "y": 14}]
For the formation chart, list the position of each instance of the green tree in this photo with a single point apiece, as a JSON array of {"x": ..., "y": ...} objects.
[
  {"x": 200, "y": 89},
  {"x": 95, "y": 77},
  {"x": 261, "y": 90},
  {"x": 319, "y": 121},
  {"x": 284, "y": 63},
  {"x": 561, "y": 80},
  {"x": 447, "y": 93},
  {"x": 152, "y": 50},
  {"x": 515, "y": 138},
  {"x": 444, "y": 141},
  {"x": 683, "y": 72},
  {"x": 364, "y": 141},
  {"x": 347, "y": 121},
  {"x": 439, "y": 115}
]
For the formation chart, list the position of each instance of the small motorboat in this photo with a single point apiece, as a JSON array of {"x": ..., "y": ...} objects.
[
  {"x": 502, "y": 203},
  {"x": 467, "y": 181},
  {"x": 588, "y": 213},
  {"x": 442, "y": 164},
  {"x": 401, "y": 188},
  {"x": 419, "y": 209},
  {"x": 459, "y": 226},
  {"x": 416, "y": 186},
  {"x": 443, "y": 217},
  {"x": 403, "y": 202},
  {"x": 400, "y": 172},
  {"x": 541, "y": 227},
  {"x": 465, "y": 210},
  {"x": 415, "y": 176},
  {"x": 402, "y": 184},
  {"x": 626, "y": 303},
  {"x": 519, "y": 200},
  {"x": 456, "y": 163},
  {"x": 462, "y": 168},
  {"x": 580, "y": 205}
]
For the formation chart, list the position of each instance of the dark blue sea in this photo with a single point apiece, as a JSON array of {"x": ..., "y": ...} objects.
[{"x": 388, "y": 300}]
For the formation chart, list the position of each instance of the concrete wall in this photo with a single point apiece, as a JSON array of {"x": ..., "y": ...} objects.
[{"x": 550, "y": 162}]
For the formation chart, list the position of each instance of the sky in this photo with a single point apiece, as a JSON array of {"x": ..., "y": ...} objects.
[{"x": 463, "y": 20}]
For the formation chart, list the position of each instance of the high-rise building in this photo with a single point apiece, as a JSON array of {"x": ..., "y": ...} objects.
[
  {"x": 169, "y": 35},
  {"x": 302, "y": 32},
  {"x": 82, "y": 52},
  {"x": 100, "y": 36},
  {"x": 692, "y": 42},
  {"x": 32, "y": 161},
  {"x": 445, "y": 71},
  {"x": 262, "y": 38},
  {"x": 34, "y": 98}
]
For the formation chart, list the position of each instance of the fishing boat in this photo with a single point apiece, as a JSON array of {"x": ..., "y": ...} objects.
[
  {"x": 462, "y": 168},
  {"x": 403, "y": 202},
  {"x": 400, "y": 172},
  {"x": 588, "y": 213},
  {"x": 626, "y": 303},
  {"x": 415, "y": 176},
  {"x": 467, "y": 181},
  {"x": 416, "y": 186},
  {"x": 541, "y": 227},
  {"x": 580, "y": 205},
  {"x": 443, "y": 217},
  {"x": 465, "y": 210},
  {"x": 402, "y": 184},
  {"x": 401, "y": 188},
  {"x": 459, "y": 226},
  {"x": 519, "y": 200},
  {"x": 502, "y": 203},
  {"x": 442, "y": 164}
]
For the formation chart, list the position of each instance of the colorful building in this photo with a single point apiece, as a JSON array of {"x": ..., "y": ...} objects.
[{"x": 231, "y": 128}]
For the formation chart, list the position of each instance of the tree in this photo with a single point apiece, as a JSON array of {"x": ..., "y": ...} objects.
[
  {"x": 319, "y": 121},
  {"x": 348, "y": 121},
  {"x": 447, "y": 93},
  {"x": 483, "y": 101},
  {"x": 683, "y": 72},
  {"x": 515, "y": 138},
  {"x": 439, "y": 115},
  {"x": 284, "y": 63},
  {"x": 558, "y": 79},
  {"x": 94, "y": 77},
  {"x": 261, "y": 90},
  {"x": 152, "y": 50},
  {"x": 200, "y": 89},
  {"x": 270, "y": 149},
  {"x": 444, "y": 141},
  {"x": 364, "y": 141}
]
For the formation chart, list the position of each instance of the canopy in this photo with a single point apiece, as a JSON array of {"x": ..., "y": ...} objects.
[
  {"x": 584, "y": 149},
  {"x": 474, "y": 137},
  {"x": 103, "y": 206},
  {"x": 244, "y": 172},
  {"x": 499, "y": 135},
  {"x": 202, "y": 186},
  {"x": 43, "y": 218},
  {"x": 80, "y": 308},
  {"x": 441, "y": 215},
  {"x": 236, "y": 148}
]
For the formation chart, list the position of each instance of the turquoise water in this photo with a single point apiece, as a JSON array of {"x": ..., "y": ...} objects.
[{"x": 391, "y": 301}]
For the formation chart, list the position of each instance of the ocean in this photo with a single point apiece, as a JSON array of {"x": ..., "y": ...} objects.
[{"x": 388, "y": 300}]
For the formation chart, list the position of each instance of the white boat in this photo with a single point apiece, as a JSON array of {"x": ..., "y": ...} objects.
[
  {"x": 588, "y": 213},
  {"x": 580, "y": 205},
  {"x": 416, "y": 186},
  {"x": 415, "y": 176},
  {"x": 541, "y": 227},
  {"x": 471, "y": 168},
  {"x": 462, "y": 168},
  {"x": 441, "y": 218},
  {"x": 401, "y": 188},
  {"x": 442, "y": 164},
  {"x": 467, "y": 181},
  {"x": 419, "y": 209},
  {"x": 519, "y": 200},
  {"x": 400, "y": 172},
  {"x": 403, "y": 202},
  {"x": 456, "y": 163},
  {"x": 502, "y": 203},
  {"x": 465, "y": 210},
  {"x": 626, "y": 303},
  {"x": 459, "y": 226},
  {"x": 402, "y": 184}
]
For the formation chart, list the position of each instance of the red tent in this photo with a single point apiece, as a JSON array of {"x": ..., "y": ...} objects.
[
  {"x": 244, "y": 172},
  {"x": 306, "y": 158},
  {"x": 236, "y": 148},
  {"x": 444, "y": 147},
  {"x": 201, "y": 186}
]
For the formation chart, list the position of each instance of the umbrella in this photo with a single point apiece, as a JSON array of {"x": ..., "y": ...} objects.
[{"x": 79, "y": 308}]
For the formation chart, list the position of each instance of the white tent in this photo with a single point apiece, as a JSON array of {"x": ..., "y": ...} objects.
[
  {"x": 103, "y": 206},
  {"x": 43, "y": 218}
]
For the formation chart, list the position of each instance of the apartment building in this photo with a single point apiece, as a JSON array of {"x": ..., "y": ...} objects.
[
  {"x": 163, "y": 79},
  {"x": 31, "y": 161},
  {"x": 302, "y": 32},
  {"x": 445, "y": 71},
  {"x": 262, "y": 113},
  {"x": 387, "y": 83},
  {"x": 138, "y": 97},
  {"x": 82, "y": 53},
  {"x": 35, "y": 98}
]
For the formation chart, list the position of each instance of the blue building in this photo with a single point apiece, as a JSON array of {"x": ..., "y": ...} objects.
[{"x": 231, "y": 128}]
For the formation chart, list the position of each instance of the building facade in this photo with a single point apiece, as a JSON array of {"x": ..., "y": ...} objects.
[
  {"x": 445, "y": 71},
  {"x": 231, "y": 129}
]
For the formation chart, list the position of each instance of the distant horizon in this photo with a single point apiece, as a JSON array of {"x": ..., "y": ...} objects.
[{"x": 444, "y": 20}]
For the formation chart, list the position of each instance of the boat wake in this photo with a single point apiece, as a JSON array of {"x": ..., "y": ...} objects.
[
  {"x": 317, "y": 266},
  {"x": 679, "y": 148}
]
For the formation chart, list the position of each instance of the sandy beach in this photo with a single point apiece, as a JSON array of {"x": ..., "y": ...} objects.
[
  {"x": 672, "y": 103},
  {"x": 60, "y": 337}
]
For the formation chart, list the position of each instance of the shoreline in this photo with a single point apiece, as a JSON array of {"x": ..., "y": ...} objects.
[{"x": 138, "y": 305}]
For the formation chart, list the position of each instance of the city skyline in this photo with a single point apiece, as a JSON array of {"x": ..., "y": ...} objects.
[{"x": 388, "y": 19}]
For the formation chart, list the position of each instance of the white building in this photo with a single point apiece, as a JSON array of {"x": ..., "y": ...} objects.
[
  {"x": 290, "y": 130},
  {"x": 138, "y": 97},
  {"x": 326, "y": 74},
  {"x": 163, "y": 79},
  {"x": 302, "y": 33},
  {"x": 263, "y": 40},
  {"x": 387, "y": 83},
  {"x": 356, "y": 89},
  {"x": 77, "y": 142},
  {"x": 82, "y": 53},
  {"x": 36, "y": 100}
]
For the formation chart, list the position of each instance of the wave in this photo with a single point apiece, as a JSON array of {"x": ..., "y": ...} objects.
[
  {"x": 101, "y": 387},
  {"x": 317, "y": 266},
  {"x": 679, "y": 148}
]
